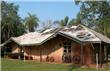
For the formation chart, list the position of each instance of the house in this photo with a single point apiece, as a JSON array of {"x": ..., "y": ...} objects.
[{"x": 76, "y": 44}]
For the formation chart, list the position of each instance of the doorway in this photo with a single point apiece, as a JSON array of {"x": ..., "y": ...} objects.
[{"x": 66, "y": 52}]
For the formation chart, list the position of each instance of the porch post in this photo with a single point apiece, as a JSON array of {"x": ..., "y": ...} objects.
[
  {"x": 97, "y": 66},
  {"x": 29, "y": 56},
  {"x": 81, "y": 54},
  {"x": 24, "y": 54},
  {"x": 19, "y": 55},
  {"x": 5, "y": 52},
  {"x": 40, "y": 54},
  {"x": 106, "y": 54},
  {"x": 100, "y": 56}
]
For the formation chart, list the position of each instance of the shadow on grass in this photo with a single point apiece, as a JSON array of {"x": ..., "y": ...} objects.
[{"x": 73, "y": 67}]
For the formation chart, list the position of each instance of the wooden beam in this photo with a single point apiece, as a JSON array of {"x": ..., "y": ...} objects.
[
  {"x": 97, "y": 64},
  {"x": 106, "y": 54},
  {"x": 19, "y": 57},
  {"x": 100, "y": 56},
  {"x": 21, "y": 51},
  {"x": 81, "y": 55},
  {"x": 40, "y": 54},
  {"x": 24, "y": 54},
  {"x": 29, "y": 55}
]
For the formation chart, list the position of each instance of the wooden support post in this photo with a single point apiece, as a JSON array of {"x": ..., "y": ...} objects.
[
  {"x": 97, "y": 66},
  {"x": 5, "y": 53},
  {"x": 30, "y": 53},
  {"x": 21, "y": 52},
  {"x": 100, "y": 56},
  {"x": 40, "y": 54},
  {"x": 29, "y": 56},
  {"x": 81, "y": 54},
  {"x": 19, "y": 57},
  {"x": 24, "y": 55},
  {"x": 106, "y": 55}
]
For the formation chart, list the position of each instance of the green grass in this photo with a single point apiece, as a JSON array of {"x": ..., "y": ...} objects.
[{"x": 16, "y": 65}]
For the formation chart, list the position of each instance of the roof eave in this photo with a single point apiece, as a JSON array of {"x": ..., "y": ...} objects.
[{"x": 50, "y": 37}]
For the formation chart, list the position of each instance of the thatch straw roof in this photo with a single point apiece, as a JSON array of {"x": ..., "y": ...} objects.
[{"x": 79, "y": 33}]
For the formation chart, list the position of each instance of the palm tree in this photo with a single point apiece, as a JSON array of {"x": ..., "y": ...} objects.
[
  {"x": 64, "y": 22},
  {"x": 31, "y": 22}
]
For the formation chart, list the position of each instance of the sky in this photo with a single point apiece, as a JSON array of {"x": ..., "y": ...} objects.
[{"x": 47, "y": 9}]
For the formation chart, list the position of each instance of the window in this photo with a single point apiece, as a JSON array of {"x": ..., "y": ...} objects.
[{"x": 67, "y": 47}]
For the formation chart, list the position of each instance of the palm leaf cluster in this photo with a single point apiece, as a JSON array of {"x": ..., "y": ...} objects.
[{"x": 31, "y": 22}]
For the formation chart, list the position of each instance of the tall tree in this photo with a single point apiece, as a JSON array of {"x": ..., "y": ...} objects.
[
  {"x": 95, "y": 14},
  {"x": 31, "y": 22},
  {"x": 10, "y": 21}
]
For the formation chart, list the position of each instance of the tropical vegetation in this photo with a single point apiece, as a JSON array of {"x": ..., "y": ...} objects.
[
  {"x": 11, "y": 24},
  {"x": 95, "y": 15}
]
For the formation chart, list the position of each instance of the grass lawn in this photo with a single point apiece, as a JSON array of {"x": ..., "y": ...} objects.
[{"x": 16, "y": 65}]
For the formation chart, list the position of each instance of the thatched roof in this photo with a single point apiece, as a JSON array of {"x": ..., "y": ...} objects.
[{"x": 79, "y": 33}]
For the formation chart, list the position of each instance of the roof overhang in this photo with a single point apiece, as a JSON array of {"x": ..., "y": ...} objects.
[
  {"x": 67, "y": 35},
  {"x": 100, "y": 36},
  {"x": 52, "y": 36},
  {"x": 8, "y": 41}
]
